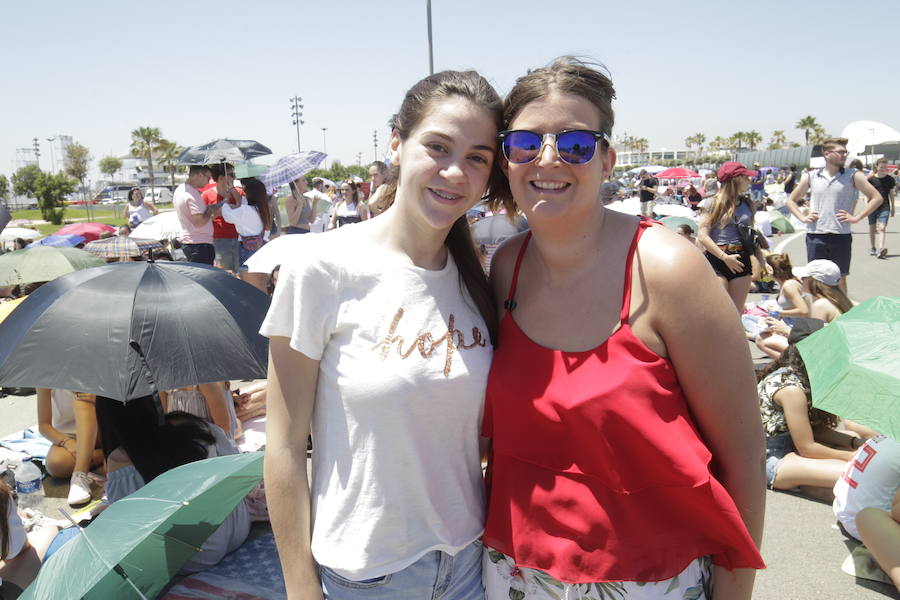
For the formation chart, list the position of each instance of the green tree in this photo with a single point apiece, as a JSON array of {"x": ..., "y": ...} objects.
[
  {"x": 51, "y": 192},
  {"x": 818, "y": 135},
  {"x": 778, "y": 140},
  {"x": 641, "y": 144},
  {"x": 144, "y": 143},
  {"x": 78, "y": 157},
  {"x": 753, "y": 139},
  {"x": 4, "y": 189},
  {"x": 737, "y": 140},
  {"x": 169, "y": 152},
  {"x": 110, "y": 165},
  {"x": 24, "y": 181},
  {"x": 808, "y": 124}
]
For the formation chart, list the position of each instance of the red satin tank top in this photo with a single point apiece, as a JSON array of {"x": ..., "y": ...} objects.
[{"x": 597, "y": 471}]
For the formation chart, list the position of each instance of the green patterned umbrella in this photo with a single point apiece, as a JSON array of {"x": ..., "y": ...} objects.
[
  {"x": 852, "y": 365},
  {"x": 43, "y": 263}
]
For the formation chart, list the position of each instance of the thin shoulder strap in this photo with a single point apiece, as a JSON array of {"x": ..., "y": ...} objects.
[
  {"x": 626, "y": 294},
  {"x": 510, "y": 303}
]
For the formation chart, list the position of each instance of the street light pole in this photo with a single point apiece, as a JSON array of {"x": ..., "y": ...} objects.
[
  {"x": 297, "y": 114},
  {"x": 375, "y": 144},
  {"x": 325, "y": 146},
  {"x": 430, "y": 46},
  {"x": 37, "y": 151}
]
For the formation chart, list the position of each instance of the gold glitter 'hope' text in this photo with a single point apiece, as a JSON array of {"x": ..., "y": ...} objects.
[{"x": 426, "y": 344}]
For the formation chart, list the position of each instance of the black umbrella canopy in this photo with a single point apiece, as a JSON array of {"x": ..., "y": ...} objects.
[
  {"x": 222, "y": 151},
  {"x": 193, "y": 323}
]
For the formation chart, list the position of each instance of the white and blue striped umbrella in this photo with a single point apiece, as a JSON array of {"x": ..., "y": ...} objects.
[{"x": 292, "y": 166}]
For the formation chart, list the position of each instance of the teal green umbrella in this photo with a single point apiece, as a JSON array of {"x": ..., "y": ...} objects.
[
  {"x": 43, "y": 263},
  {"x": 780, "y": 222},
  {"x": 852, "y": 365},
  {"x": 135, "y": 547},
  {"x": 673, "y": 223},
  {"x": 245, "y": 170}
]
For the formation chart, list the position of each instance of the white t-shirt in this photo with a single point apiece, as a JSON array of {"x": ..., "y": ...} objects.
[
  {"x": 63, "y": 404},
  {"x": 245, "y": 218},
  {"x": 404, "y": 358},
  {"x": 870, "y": 480},
  {"x": 17, "y": 534}
]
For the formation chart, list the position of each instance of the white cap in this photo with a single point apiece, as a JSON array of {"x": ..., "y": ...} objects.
[{"x": 821, "y": 270}]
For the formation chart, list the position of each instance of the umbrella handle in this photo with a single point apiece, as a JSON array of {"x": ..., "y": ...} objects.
[{"x": 160, "y": 414}]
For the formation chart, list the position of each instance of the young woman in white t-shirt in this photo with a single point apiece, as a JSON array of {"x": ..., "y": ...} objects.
[{"x": 381, "y": 341}]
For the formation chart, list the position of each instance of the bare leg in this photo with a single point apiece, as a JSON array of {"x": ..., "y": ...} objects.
[
  {"x": 880, "y": 228},
  {"x": 60, "y": 462},
  {"x": 881, "y": 535},
  {"x": 872, "y": 237},
  {"x": 738, "y": 290},
  {"x": 863, "y": 431},
  {"x": 772, "y": 345},
  {"x": 85, "y": 433},
  {"x": 795, "y": 470}
]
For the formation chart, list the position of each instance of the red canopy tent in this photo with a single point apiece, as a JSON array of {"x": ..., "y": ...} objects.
[{"x": 677, "y": 173}]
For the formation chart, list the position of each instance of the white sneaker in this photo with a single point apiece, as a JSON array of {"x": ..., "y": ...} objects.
[{"x": 79, "y": 488}]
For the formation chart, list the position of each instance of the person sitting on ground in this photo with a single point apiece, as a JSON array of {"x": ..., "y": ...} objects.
[
  {"x": 820, "y": 278},
  {"x": 138, "y": 448},
  {"x": 208, "y": 401},
  {"x": 687, "y": 232},
  {"x": 803, "y": 449},
  {"x": 793, "y": 301},
  {"x": 871, "y": 480},
  {"x": 67, "y": 419},
  {"x": 879, "y": 530},
  {"x": 693, "y": 197},
  {"x": 20, "y": 553}
]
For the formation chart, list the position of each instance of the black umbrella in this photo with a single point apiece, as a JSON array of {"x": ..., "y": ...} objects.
[
  {"x": 222, "y": 151},
  {"x": 86, "y": 331}
]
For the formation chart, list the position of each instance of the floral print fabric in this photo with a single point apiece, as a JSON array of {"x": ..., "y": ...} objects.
[
  {"x": 771, "y": 413},
  {"x": 503, "y": 580}
]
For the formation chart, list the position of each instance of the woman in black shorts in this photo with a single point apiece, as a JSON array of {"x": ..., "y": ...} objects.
[{"x": 719, "y": 235}]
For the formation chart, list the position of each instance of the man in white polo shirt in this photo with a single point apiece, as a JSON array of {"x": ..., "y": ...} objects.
[
  {"x": 195, "y": 217},
  {"x": 833, "y": 192}
]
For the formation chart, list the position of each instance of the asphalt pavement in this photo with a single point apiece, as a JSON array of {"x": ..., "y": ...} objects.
[{"x": 802, "y": 547}]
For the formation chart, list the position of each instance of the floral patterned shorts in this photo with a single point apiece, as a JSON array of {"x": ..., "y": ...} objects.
[{"x": 503, "y": 580}]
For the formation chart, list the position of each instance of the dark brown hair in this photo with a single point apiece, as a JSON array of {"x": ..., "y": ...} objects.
[
  {"x": 417, "y": 103},
  {"x": 832, "y": 293},
  {"x": 832, "y": 143},
  {"x": 565, "y": 75},
  {"x": 258, "y": 196},
  {"x": 791, "y": 360}
]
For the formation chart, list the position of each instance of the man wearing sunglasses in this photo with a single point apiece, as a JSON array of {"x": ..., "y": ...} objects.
[
  {"x": 833, "y": 192},
  {"x": 225, "y": 235}
]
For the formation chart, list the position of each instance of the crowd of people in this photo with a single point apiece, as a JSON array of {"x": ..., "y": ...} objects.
[{"x": 556, "y": 425}]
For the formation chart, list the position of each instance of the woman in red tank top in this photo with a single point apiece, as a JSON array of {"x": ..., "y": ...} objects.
[{"x": 626, "y": 443}]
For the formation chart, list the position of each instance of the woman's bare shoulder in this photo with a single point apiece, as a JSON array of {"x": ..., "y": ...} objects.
[{"x": 503, "y": 262}]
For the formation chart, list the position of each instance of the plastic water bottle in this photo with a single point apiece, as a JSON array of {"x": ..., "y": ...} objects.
[
  {"x": 28, "y": 484},
  {"x": 775, "y": 313}
]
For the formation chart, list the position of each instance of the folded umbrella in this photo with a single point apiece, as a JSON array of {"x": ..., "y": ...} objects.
[
  {"x": 290, "y": 167},
  {"x": 852, "y": 365},
  {"x": 43, "y": 263},
  {"x": 126, "y": 330},
  {"x": 89, "y": 231},
  {"x": 222, "y": 151},
  {"x": 120, "y": 247},
  {"x": 137, "y": 545},
  {"x": 58, "y": 240}
]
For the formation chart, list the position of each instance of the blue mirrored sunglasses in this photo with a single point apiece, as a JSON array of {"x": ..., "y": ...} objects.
[{"x": 573, "y": 146}]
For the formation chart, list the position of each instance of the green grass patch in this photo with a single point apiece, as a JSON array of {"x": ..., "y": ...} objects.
[{"x": 108, "y": 215}]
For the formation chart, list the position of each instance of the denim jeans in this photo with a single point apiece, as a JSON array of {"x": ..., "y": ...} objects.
[
  {"x": 227, "y": 253},
  {"x": 199, "y": 253},
  {"x": 435, "y": 576}
]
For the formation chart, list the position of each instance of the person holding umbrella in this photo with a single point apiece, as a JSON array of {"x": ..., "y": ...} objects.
[
  {"x": 301, "y": 211},
  {"x": 380, "y": 341},
  {"x": 195, "y": 217}
]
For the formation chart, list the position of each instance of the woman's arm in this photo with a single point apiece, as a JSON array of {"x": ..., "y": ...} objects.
[
  {"x": 334, "y": 211},
  {"x": 362, "y": 209},
  {"x": 710, "y": 355},
  {"x": 795, "y": 405},
  {"x": 292, "y": 208},
  {"x": 291, "y": 397},
  {"x": 151, "y": 207},
  {"x": 792, "y": 292},
  {"x": 45, "y": 420},
  {"x": 216, "y": 399},
  {"x": 732, "y": 261}
]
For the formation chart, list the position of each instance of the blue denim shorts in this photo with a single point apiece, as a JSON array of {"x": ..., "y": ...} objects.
[
  {"x": 435, "y": 575},
  {"x": 776, "y": 448},
  {"x": 880, "y": 216}
]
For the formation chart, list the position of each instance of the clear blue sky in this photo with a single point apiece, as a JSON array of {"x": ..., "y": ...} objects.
[{"x": 96, "y": 70}]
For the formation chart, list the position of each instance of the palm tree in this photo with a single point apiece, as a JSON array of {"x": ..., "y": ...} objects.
[
  {"x": 641, "y": 144},
  {"x": 736, "y": 140},
  {"x": 169, "y": 152},
  {"x": 808, "y": 124},
  {"x": 818, "y": 135},
  {"x": 144, "y": 142},
  {"x": 753, "y": 138},
  {"x": 778, "y": 140},
  {"x": 700, "y": 140}
]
